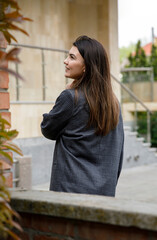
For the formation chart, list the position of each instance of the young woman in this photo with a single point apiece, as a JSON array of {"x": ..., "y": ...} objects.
[{"x": 87, "y": 125}]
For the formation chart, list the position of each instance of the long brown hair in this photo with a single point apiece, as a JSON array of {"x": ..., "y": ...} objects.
[{"x": 96, "y": 85}]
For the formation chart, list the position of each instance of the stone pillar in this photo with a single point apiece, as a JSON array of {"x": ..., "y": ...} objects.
[
  {"x": 4, "y": 110},
  {"x": 113, "y": 44},
  {"x": 24, "y": 171}
]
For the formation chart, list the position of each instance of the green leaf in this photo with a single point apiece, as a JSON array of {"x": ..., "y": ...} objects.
[
  {"x": 12, "y": 134},
  {"x": 4, "y": 121},
  {"x": 16, "y": 225},
  {"x": 13, "y": 235},
  {"x": 13, "y": 147},
  {"x": 6, "y": 157},
  {"x": 4, "y": 135},
  {"x": 4, "y": 195}
]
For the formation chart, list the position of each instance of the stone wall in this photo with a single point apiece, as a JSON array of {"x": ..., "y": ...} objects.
[{"x": 63, "y": 216}]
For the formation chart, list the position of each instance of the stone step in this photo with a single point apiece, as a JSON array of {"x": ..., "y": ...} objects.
[
  {"x": 151, "y": 149},
  {"x": 140, "y": 139},
  {"x": 127, "y": 128},
  {"x": 146, "y": 144},
  {"x": 133, "y": 133},
  {"x": 137, "y": 152}
]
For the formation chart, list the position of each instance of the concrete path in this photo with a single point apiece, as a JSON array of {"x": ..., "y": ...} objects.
[{"x": 137, "y": 183}]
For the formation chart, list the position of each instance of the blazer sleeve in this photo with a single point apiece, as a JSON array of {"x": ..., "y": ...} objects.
[
  {"x": 121, "y": 158},
  {"x": 55, "y": 121}
]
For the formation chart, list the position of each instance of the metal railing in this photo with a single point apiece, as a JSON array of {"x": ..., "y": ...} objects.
[
  {"x": 42, "y": 49},
  {"x": 137, "y": 100},
  {"x": 131, "y": 94}
]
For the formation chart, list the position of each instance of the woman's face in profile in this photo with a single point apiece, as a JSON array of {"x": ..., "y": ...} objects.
[{"x": 74, "y": 64}]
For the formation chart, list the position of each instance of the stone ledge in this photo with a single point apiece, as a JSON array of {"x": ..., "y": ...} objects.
[{"x": 126, "y": 213}]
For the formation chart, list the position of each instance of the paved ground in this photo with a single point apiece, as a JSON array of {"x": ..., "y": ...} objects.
[{"x": 138, "y": 183}]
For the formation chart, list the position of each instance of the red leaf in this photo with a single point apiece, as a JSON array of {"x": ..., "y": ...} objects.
[
  {"x": 12, "y": 55},
  {"x": 9, "y": 36},
  {"x": 13, "y": 15},
  {"x": 12, "y": 4},
  {"x": 14, "y": 27},
  {"x": 27, "y": 19},
  {"x": 11, "y": 72}
]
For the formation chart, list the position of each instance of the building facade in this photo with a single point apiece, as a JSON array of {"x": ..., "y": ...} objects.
[{"x": 56, "y": 24}]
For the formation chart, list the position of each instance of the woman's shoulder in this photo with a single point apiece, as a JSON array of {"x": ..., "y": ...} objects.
[
  {"x": 67, "y": 94},
  {"x": 73, "y": 94}
]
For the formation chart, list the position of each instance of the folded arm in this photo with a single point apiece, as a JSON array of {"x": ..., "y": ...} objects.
[{"x": 55, "y": 121}]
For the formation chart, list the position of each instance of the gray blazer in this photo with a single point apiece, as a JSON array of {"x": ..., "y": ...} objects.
[{"x": 83, "y": 162}]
